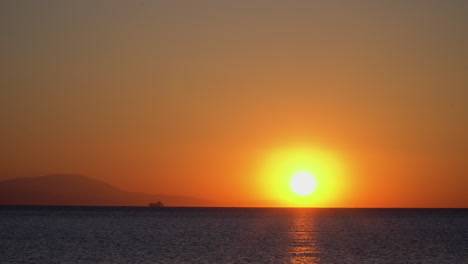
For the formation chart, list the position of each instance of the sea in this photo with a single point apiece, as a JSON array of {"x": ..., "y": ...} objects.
[{"x": 73, "y": 234}]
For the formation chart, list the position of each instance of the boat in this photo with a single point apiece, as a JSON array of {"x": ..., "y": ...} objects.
[{"x": 157, "y": 204}]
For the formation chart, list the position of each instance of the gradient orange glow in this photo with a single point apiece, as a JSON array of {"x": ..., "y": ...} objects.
[{"x": 227, "y": 100}]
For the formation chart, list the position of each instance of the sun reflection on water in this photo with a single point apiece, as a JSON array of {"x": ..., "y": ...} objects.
[{"x": 303, "y": 240}]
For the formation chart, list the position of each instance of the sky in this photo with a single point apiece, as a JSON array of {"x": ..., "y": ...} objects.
[{"x": 225, "y": 100}]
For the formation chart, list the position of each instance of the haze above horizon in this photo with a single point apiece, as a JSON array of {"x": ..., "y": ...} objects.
[{"x": 228, "y": 101}]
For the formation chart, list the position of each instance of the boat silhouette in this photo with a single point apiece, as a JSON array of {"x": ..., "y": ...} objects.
[{"x": 157, "y": 204}]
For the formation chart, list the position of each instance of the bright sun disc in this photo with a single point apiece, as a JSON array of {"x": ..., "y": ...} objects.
[{"x": 303, "y": 183}]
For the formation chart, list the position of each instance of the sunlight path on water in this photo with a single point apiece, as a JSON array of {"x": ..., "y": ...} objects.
[{"x": 303, "y": 241}]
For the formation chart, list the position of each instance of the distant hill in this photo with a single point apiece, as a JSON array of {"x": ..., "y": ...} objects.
[{"x": 67, "y": 189}]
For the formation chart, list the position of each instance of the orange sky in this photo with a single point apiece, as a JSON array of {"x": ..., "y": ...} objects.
[{"x": 198, "y": 98}]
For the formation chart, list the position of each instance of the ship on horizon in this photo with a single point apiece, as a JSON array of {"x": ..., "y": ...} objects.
[{"x": 157, "y": 204}]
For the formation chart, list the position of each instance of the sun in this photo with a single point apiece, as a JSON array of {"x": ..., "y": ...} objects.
[
  {"x": 303, "y": 176},
  {"x": 303, "y": 183}
]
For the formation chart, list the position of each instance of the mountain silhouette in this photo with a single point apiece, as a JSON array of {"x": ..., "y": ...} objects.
[{"x": 69, "y": 189}]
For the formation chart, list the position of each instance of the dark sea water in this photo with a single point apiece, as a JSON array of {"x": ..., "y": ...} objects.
[{"x": 38, "y": 234}]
